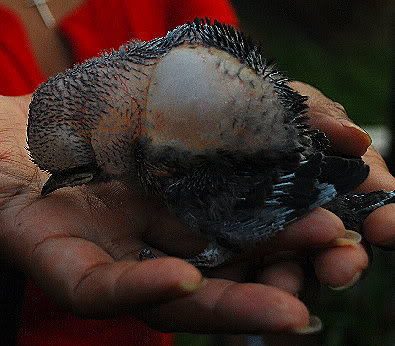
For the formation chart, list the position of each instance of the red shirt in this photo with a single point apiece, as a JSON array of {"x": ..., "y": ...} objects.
[{"x": 95, "y": 26}]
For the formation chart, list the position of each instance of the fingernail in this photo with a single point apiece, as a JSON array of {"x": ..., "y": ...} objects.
[
  {"x": 350, "y": 238},
  {"x": 193, "y": 286},
  {"x": 352, "y": 126},
  {"x": 314, "y": 326},
  {"x": 352, "y": 282}
]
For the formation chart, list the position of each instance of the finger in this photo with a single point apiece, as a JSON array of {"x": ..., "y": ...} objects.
[
  {"x": 57, "y": 251},
  {"x": 23, "y": 103},
  {"x": 341, "y": 267},
  {"x": 318, "y": 228},
  {"x": 223, "y": 306},
  {"x": 287, "y": 276},
  {"x": 88, "y": 281},
  {"x": 379, "y": 177},
  {"x": 330, "y": 117},
  {"x": 345, "y": 137},
  {"x": 379, "y": 227}
]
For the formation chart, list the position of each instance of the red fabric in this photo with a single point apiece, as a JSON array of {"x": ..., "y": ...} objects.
[
  {"x": 19, "y": 72},
  {"x": 95, "y": 26},
  {"x": 45, "y": 324},
  {"x": 112, "y": 23}
]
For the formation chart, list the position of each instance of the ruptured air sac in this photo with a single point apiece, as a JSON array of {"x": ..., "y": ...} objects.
[{"x": 200, "y": 119}]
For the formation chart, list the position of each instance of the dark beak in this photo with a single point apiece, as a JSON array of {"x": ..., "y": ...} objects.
[{"x": 68, "y": 178}]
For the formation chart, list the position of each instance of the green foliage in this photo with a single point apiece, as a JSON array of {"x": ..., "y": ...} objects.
[
  {"x": 184, "y": 339},
  {"x": 358, "y": 75},
  {"x": 362, "y": 315}
]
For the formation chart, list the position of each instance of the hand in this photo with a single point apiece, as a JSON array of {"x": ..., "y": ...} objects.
[
  {"x": 379, "y": 227},
  {"x": 81, "y": 247},
  {"x": 348, "y": 138}
]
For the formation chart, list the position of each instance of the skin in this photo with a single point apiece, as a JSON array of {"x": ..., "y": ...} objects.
[{"x": 81, "y": 245}]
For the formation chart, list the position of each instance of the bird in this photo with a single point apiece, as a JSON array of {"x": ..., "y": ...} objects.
[{"x": 202, "y": 120}]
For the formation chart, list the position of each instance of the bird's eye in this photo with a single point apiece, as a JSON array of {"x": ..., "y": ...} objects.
[
  {"x": 163, "y": 171},
  {"x": 80, "y": 179}
]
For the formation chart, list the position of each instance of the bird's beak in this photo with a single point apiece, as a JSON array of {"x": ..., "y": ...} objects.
[{"x": 68, "y": 178}]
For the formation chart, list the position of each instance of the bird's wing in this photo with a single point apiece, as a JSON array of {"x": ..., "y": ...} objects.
[{"x": 317, "y": 181}]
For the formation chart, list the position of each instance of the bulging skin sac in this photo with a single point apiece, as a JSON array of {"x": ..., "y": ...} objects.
[
  {"x": 202, "y": 98},
  {"x": 188, "y": 94}
]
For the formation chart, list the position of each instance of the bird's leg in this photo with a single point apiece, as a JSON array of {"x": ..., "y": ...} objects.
[{"x": 213, "y": 256}]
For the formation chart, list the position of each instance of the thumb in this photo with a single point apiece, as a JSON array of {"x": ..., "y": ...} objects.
[{"x": 330, "y": 117}]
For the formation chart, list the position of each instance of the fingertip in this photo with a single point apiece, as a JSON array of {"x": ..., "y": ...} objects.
[
  {"x": 350, "y": 238},
  {"x": 357, "y": 138},
  {"x": 331, "y": 117},
  {"x": 314, "y": 326},
  {"x": 263, "y": 307},
  {"x": 316, "y": 229},
  {"x": 343, "y": 135},
  {"x": 120, "y": 287},
  {"x": 224, "y": 306},
  {"x": 340, "y": 267},
  {"x": 379, "y": 227},
  {"x": 349, "y": 284},
  {"x": 191, "y": 287}
]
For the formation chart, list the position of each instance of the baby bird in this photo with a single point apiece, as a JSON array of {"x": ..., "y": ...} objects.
[{"x": 205, "y": 123}]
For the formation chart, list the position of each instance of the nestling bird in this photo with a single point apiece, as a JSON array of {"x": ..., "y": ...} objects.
[{"x": 206, "y": 124}]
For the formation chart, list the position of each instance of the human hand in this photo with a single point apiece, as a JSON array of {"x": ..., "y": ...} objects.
[
  {"x": 379, "y": 227},
  {"x": 331, "y": 118},
  {"x": 81, "y": 246},
  {"x": 96, "y": 233}
]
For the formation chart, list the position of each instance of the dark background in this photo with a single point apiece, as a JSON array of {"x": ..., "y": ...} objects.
[{"x": 342, "y": 47}]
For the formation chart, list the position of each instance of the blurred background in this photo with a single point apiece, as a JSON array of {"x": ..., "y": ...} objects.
[
  {"x": 342, "y": 47},
  {"x": 346, "y": 49}
]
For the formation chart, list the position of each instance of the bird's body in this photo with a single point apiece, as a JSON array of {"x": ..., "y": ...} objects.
[{"x": 203, "y": 122}]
